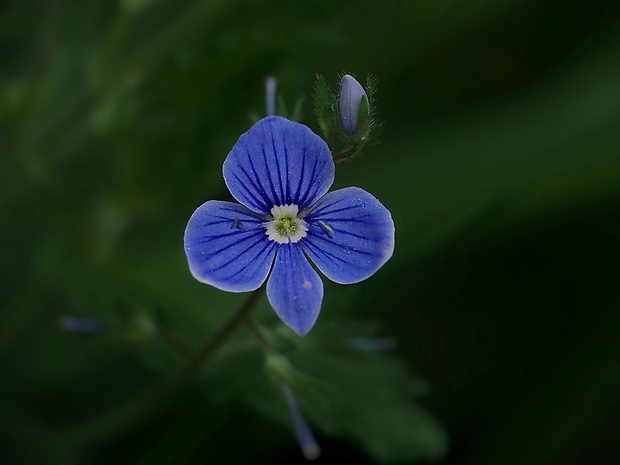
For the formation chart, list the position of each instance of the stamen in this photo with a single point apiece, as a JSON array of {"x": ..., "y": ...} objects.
[
  {"x": 286, "y": 226},
  {"x": 326, "y": 227},
  {"x": 309, "y": 447}
]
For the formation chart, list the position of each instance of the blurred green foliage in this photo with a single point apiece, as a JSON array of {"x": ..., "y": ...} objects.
[{"x": 499, "y": 159}]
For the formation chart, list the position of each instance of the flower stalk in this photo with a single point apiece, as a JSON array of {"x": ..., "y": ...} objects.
[
  {"x": 156, "y": 399},
  {"x": 207, "y": 349}
]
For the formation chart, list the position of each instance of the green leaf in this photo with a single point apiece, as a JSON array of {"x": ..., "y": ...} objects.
[
  {"x": 323, "y": 108},
  {"x": 372, "y": 405}
]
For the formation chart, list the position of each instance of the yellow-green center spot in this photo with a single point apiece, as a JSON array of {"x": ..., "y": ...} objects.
[{"x": 285, "y": 226}]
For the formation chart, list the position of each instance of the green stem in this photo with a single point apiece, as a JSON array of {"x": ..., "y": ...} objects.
[
  {"x": 256, "y": 331},
  {"x": 153, "y": 401},
  {"x": 342, "y": 156},
  {"x": 210, "y": 345},
  {"x": 175, "y": 343}
]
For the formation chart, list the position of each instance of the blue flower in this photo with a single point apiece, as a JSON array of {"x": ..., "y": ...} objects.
[{"x": 280, "y": 172}]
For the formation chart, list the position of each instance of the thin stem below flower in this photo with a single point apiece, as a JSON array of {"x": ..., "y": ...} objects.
[
  {"x": 175, "y": 343},
  {"x": 255, "y": 330},
  {"x": 154, "y": 400},
  {"x": 342, "y": 156},
  {"x": 309, "y": 447},
  {"x": 210, "y": 345}
]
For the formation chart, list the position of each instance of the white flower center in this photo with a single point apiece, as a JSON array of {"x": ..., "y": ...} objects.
[{"x": 285, "y": 226}]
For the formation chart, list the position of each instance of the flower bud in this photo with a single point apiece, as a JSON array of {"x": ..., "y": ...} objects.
[
  {"x": 270, "y": 95},
  {"x": 81, "y": 325},
  {"x": 349, "y": 101},
  {"x": 372, "y": 344},
  {"x": 309, "y": 447}
]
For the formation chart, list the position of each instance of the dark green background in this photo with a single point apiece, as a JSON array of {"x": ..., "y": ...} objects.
[{"x": 499, "y": 158}]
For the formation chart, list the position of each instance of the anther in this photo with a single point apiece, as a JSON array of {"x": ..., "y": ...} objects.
[{"x": 326, "y": 227}]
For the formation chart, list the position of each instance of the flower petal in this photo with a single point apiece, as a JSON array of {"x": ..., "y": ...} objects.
[
  {"x": 350, "y": 235},
  {"x": 294, "y": 289},
  {"x": 278, "y": 162},
  {"x": 227, "y": 247}
]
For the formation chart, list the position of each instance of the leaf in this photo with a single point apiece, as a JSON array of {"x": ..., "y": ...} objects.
[{"x": 373, "y": 405}]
